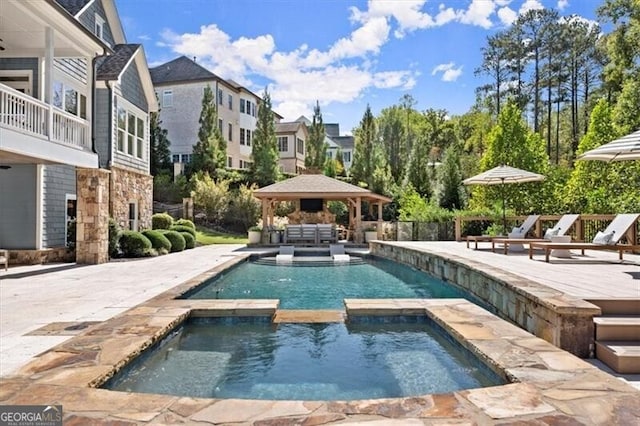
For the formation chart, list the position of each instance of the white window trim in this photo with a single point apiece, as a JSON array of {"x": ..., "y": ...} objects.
[
  {"x": 99, "y": 22},
  {"x": 164, "y": 93},
  {"x": 138, "y": 113},
  {"x": 67, "y": 198},
  {"x": 26, "y": 86}
]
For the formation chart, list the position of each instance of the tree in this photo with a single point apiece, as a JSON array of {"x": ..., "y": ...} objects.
[
  {"x": 494, "y": 65},
  {"x": 363, "y": 158},
  {"x": 210, "y": 152},
  {"x": 391, "y": 130},
  {"x": 160, "y": 156},
  {"x": 452, "y": 194},
  {"x": 316, "y": 147},
  {"x": 265, "y": 169}
]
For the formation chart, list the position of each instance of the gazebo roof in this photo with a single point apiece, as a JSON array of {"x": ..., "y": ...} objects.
[{"x": 316, "y": 186}]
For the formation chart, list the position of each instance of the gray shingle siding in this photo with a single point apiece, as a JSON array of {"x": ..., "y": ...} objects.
[
  {"x": 23, "y": 64},
  {"x": 88, "y": 19},
  {"x": 18, "y": 207},
  {"x": 57, "y": 181},
  {"x": 131, "y": 87},
  {"x": 102, "y": 126}
]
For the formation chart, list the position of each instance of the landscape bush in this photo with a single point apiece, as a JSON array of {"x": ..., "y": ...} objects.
[
  {"x": 114, "y": 236},
  {"x": 189, "y": 240},
  {"x": 134, "y": 244},
  {"x": 243, "y": 210},
  {"x": 185, "y": 222},
  {"x": 182, "y": 228},
  {"x": 158, "y": 241},
  {"x": 178, "y": 242},
  {"x": 161, "y": 221}
]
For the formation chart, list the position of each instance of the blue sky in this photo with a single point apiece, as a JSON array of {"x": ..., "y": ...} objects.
[{"x": 344, "y": 54}]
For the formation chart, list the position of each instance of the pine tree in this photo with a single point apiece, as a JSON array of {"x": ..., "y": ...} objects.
[
  {"x": 363, "y": 158},
  {"x": 265, "y": 169},
  {"x": 160, "y": 157},
  {"x": 210, "y": 152},
  {"x": 316, "y": 147},
  {"x": 452, "y": 194}
]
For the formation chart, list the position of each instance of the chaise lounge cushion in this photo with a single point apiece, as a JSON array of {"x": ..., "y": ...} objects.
[
  {"x": 551, "y": 232},
  {"x": 604, "y": 239}
]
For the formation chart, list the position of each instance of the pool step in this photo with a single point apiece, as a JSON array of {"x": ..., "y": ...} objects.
[
  {"x": 617, "y": 334},
  {"x": 309, "y": 261},
  {"x": 308, "y": 316}
]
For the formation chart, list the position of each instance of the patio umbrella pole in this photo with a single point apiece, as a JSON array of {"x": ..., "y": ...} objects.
[{"x": 504, "y": 213}]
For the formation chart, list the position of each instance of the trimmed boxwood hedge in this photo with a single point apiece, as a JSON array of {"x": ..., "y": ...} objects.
[
  {"x": 185, "y": 222},
  {"x": 182, "y": 228},
  {"x": 134, "y": 244},
  {"x": 161, "y": 221},
  {"x": 158, "y": 241},
  {"x": 190, "y": 240},
  {"x": 178, "y": 242}
]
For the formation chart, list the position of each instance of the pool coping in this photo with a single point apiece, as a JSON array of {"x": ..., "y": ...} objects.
[{"x": 549, "y": 384}]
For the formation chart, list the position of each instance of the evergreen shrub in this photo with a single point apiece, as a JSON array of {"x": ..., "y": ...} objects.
[
  {"x": 185, "y": 222},
  {"x": 178, "y": 242},
  {"x": 182, "y": 228},
  {"x": 134, "y": 244},
  {"x": 158, "y": 241},
  {"x": 189, "y": 240},
  {"x": 161, "y": 221}
]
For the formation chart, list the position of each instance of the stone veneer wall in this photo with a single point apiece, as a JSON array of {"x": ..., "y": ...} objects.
[
  {"x": 127, "y": 186},
  {"x": 36, "y": 257},
  {"x": 547, "y": 313},
  {"x": 92, "y": 221}
]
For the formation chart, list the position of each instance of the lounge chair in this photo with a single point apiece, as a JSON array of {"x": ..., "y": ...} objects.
[
  {"x": 327, "y": 233},
  {"x": 605, "y": 240},
  {"x": 285, "y": 254},
  {"x": 515, "y": 233},
  {"x": 337, "y": 253},
  {"x": 559, "y": 229}
]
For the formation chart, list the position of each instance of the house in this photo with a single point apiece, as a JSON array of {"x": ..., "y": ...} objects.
[
  {"x": 180, "y": 85},
  {"x": 334, "y": 142},
  {"x": 292, "y": 139},
  {"x": 75, "y": 100}
]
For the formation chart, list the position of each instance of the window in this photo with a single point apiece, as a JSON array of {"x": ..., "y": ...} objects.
[
  {"x": 346, "y": 156},
  {"x": 69, "y": 99},
  {"x": 300, "y": 146},
  {"x": 242, "y": 137},
  {"x": 229, "y": 162},
  {"x": 248, "y": 137},
  {"x": 70, "y": 214},
  {"x": 230, "y": 102},
  {"x": 220, "y": 124},
  {"x": 220, "y": 95},
  {"x": 253, "y": 109},
  {"x": 176, "y": 158},
  {"x": 99, "y": 27},
  {"x": 186, "y": 158},
  {"x": 230, "y": 132},
  {"x": 242, "y": 103},
  {"x": 133, "y": 215},
  {"x": 283, "y": 143},
  {"x": 167, "y": 98},
  {"x": 131, "y": 133}
]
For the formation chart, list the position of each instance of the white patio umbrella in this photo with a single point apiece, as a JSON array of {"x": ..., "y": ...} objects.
[
  {"x": 625, "y": 148},
  {"x": 499, "y": 176}
]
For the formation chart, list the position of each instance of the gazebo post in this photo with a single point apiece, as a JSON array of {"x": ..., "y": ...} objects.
[
  {"x": 379, "y": 227},
  {"x": 358, "y": 232},
  {"x": 265, "y": 214}
]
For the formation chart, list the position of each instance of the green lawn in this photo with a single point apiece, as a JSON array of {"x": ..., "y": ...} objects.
[{"x": 206, "y": 236}]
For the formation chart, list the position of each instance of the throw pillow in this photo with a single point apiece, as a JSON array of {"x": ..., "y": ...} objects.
[
  {"x": 602, "y": 238},
  {"x": 551, "y": 233}
]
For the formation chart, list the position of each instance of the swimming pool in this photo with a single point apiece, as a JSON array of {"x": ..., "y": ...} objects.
[
  {"x": 252, "y": 358},
  {"x": 324, "y": 287}
]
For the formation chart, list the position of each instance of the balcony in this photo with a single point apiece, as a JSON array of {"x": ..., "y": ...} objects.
[{"x": 34, "y": 131}]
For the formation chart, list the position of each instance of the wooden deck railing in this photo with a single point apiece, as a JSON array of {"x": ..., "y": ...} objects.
[{"x": 31, "y": 116}]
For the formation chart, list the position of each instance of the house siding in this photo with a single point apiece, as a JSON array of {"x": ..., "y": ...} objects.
[
  {"x": 57, "y": 181},
  {"x": 23, "y": 64},
  {"x": 102, "y": 127},
  {"x": 18, "y": 207},
  {"x": 88, "y": 19},
  {"x": 131, "y": 88}
]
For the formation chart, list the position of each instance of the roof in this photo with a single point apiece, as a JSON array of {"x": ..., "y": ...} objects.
[
  {"x": 288, "y": 127},
  {"x": 112, "y": 66},
  {"x": 315, "y": 185},
  {"x": 345, "y": 142},
  {"x": 73, "y": 6},
  {"x": 180, "y": 69}
]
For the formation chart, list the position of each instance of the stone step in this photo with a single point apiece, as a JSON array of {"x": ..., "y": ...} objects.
[
  {"x": 618, "y": 306},
  {"x": 622, "y": 357},
  {"x": 308, "y": 316},
  {"x": 623, "y": 328}
]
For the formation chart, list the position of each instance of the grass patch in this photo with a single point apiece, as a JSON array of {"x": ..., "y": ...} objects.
[{"x": 205, "y": 237}]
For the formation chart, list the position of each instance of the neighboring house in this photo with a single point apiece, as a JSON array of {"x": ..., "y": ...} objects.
[
  {"x": 180, "y": 85},
  {"x": 335, "y": 142},
  {"x": 74, "y": 118},
  {"x": 292, "y": 139}
]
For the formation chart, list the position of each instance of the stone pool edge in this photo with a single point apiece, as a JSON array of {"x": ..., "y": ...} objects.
[{"x": 550, "y": 385}]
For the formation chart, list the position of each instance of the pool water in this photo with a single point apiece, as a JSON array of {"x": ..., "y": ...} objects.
[
  {"x": 214, "y": 358},
  {"x": 324, "y": 287}
]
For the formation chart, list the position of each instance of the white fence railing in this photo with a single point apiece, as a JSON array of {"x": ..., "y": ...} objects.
[{"x": 31, "y": 116}]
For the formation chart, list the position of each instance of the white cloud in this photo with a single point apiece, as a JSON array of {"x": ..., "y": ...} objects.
[
  {"x": 478, "y": 13},
  {"x": 507, "y": 15},
  {"x": 530, "y": 5},
  {"x": 562, "y": 4},
  {"x": 144, "y": 37},
  {"x": 449, "y": 71}
]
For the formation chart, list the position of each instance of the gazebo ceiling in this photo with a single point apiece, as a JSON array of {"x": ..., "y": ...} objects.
[{"x": 316, "y": 186}]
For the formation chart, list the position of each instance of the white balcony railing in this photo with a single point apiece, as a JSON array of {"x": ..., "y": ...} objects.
[{"x": 31, "y": 116}]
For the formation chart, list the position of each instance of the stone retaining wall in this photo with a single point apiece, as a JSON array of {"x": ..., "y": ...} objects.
[{"x": 552, "y": 315}]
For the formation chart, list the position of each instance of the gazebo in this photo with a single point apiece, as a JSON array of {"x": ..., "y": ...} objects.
[{"x": 310, "y": 194}]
